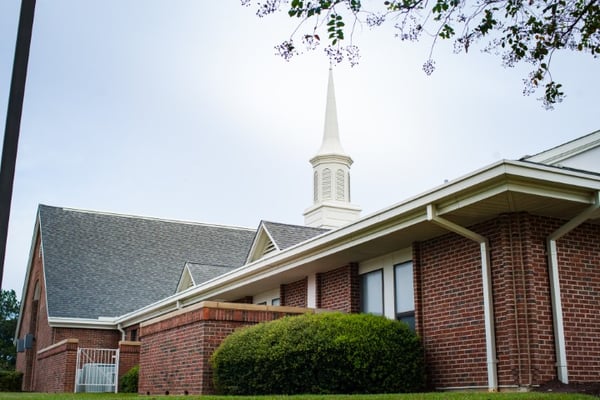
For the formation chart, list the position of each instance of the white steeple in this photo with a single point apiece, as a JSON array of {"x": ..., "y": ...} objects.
[{"x": 331, "y": 175}]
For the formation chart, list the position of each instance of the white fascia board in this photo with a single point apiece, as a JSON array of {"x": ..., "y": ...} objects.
[
  {"x": 529, "y": 171},
  {"x": 185, "y": 276},
  {"x": 391, "y": 219},
  {"x": 259, "y": 242},
  {"x": 553, "y": 174},
  {"x": 567, "y": 150},
  {"x": 266, "y": 231},
  {"x": 82, "y": 323}
]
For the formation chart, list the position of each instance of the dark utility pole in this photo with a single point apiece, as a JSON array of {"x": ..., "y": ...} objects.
[{"x": 13, "y": 121}]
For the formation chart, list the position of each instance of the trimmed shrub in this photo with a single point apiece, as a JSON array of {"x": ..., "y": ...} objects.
[
  {"x": 10, "y": 381},
  {"x": 320, "y": 353},
  {"x": 129, "y": 381}
]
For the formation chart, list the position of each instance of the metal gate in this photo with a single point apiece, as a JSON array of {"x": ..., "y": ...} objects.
[{"x": 97, "y": 370}]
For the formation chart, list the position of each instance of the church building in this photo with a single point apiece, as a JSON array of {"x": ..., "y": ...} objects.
[{"x": 497, "y": 271}]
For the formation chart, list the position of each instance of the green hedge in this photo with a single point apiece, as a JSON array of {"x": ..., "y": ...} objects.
[
  {"x": 10, "y": 381},
  {"x": 320, "y": 353},
  {"x": 129, "y": 381}
]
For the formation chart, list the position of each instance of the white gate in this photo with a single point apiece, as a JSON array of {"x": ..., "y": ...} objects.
[{"x": 97, "y": 370}]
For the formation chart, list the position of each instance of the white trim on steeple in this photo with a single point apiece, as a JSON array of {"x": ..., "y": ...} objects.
[{"x": 331, "y": 175}]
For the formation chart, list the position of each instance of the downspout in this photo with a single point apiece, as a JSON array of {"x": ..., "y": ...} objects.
[
  {"x": 488, "y": 302},
  {"x": 557, "y": 315},
  {"x": 120, "y": 328}
]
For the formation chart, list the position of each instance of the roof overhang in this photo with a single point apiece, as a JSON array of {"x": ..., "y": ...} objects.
[
  {"x": 83, "y": 323},
  {"x": 503, "y": 187}
]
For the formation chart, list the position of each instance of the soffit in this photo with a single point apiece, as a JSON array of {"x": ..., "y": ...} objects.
[{"x": 500, "y": 196}]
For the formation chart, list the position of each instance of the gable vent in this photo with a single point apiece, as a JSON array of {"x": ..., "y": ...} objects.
[{"x": 269, "y": 248}]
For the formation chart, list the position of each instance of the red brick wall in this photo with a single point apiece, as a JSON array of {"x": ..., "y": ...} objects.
[
  {"x": 56, "y": 368},
  {"x": 339, "y": 289},
  {"x": 452, "y": 312},
  {"x": 294, "y": 294},
  {"x": 579, "y": 268},
  {"x": 176, "y": 348},
  {"x": 132, "y": 333},
  {"x": 448, "y": 300},
  {"x": 129, "y": 356},
  {"x": 89, "y": 338},
  {"x": 34, "y": 320},
  {"x": 524, "y": 332}
]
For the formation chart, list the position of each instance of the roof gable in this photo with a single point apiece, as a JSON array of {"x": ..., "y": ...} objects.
[
  {"x": 195, "y": 274},
  {"x": 582, "y": 153},
  {"x": 273, "y": 237},
  {"x": 104, "y": 265}
]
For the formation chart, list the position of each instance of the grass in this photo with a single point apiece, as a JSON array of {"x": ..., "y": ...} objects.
[{"x": 417, "y": 396}]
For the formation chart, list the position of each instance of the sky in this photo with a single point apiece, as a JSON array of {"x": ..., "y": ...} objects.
[{"x": 180, "y": 109}]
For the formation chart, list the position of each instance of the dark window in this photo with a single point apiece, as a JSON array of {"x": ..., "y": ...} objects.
[{"x": 404, "y": 293}]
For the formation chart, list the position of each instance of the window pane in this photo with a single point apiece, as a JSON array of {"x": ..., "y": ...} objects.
[
  {"x": 403, "y": 275},
  {"x": 275, "y": 302},
  {"x": 372, "y": 292},
  {"x": 409, "y": 319}
]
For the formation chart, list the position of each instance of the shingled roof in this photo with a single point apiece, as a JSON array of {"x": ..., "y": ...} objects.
[
  {"x": 286, "y": 235},
  {"x": 105, "y": 265},
  {"x": 274, "y": 236},
  {"x": 195, "y": 274}
]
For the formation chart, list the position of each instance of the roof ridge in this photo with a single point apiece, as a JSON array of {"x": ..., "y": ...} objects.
[
  {"x": 565, "y": 144},
  {"x": 148, "y": 218},
  {"x": 294, "y": 225}
]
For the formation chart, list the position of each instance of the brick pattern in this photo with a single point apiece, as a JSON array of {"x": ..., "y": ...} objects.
[
  {"x": 339, "y": 289},
  {"x": 448, "y": 300},
  {"x": 176, "y": 349},
  {"x": 451, "y": 312},
  {"x": 132, "y": 333},
  {"x": 56, "y": 368},
  {"x": 524, "y": 333},
  {"x": 129, "y": 356},
  {"x": 89, "y": 338},
  {"x": 34, "y": 320},
  {"x": 579, "y": 262},
  {"x": 294, "y": 294},
  {"x": 417, "y": 287}
]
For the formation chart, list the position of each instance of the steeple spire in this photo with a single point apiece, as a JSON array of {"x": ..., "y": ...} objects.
[
  {"x": 331, "y": 175},
  {"x": 331, "y": 135}
]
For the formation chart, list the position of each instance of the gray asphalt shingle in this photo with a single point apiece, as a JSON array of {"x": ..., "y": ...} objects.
[
  {"x": 202, "y": 272},
  {"x": 286, "y": 235},
  {"x": 106, "y": 265}
]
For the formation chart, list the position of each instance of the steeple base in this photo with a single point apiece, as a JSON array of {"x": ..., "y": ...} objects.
[{"x": 331, "y": 215}]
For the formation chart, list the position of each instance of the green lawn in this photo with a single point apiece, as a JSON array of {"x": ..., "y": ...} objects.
[{"x": 419, "y": 396}]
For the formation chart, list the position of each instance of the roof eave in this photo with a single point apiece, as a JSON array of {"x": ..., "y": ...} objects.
[
  {"x": 83, "y": 323},
  {"x": 478, "y": 184}
]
